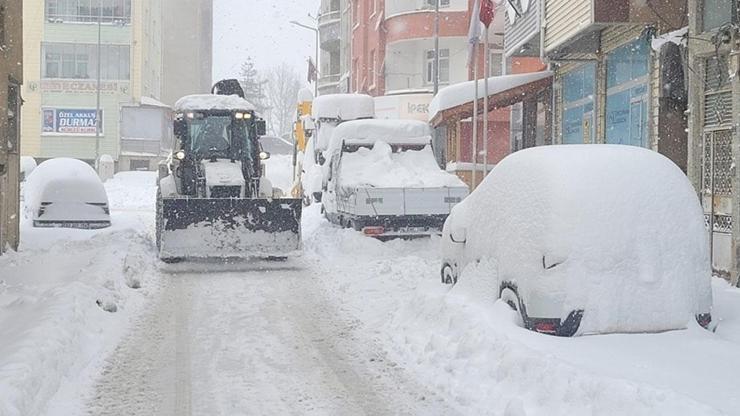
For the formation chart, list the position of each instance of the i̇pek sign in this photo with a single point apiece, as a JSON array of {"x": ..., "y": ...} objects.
[{"x": 70, "y": 121}]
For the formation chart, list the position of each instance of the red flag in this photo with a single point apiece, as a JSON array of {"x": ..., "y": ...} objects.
[
  {"x": 487, "y": 11},
  {"x": 313, "y": 73}
]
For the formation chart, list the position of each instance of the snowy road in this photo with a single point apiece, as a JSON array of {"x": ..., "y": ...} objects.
[
  {"x": 355, "y": 326},
  {"x": 263, "y": 340}
]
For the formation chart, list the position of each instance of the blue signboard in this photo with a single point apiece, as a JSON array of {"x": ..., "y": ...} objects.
[{"x": 70, "y": 121}]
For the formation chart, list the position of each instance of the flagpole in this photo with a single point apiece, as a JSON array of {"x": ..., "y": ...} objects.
[
  {"x": 486, "y": 74},
  {"x": 475, "y": 116}
]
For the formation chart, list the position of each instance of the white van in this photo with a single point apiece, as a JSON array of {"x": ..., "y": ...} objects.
[
  {"x": 66, "y": 193},
  {"x": 585, "y": 239}
]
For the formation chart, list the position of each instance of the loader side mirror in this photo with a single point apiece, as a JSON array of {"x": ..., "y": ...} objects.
[
  {"x": 261, "y": 126},
  {"x": 181, "y": 128}
]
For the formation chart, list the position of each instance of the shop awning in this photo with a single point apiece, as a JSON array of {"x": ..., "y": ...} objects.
[{"x": 456, "y": 101}]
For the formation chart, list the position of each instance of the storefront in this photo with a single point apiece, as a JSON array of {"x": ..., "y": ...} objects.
[
  {"x": 627, "y": 69},
  {"x": 579, "y": 90}
]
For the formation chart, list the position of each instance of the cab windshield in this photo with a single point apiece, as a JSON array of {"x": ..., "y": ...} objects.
[{"x": 220, "y": 136}]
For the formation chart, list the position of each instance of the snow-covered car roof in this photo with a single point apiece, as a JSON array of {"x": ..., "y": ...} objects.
[
  {"x": 367, "y": 132},
  {"x": 623, "y": 224},
  {"x": 213, "y": 102},
  {"x": 343, "y": 106},
  {"x": 64, "y": 180}
]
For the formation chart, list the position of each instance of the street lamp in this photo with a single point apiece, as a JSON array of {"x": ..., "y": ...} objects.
[{"x": 316, "y": 55}]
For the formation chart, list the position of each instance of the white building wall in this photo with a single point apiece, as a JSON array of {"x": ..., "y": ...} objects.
[{"x": 405, "y": 63}]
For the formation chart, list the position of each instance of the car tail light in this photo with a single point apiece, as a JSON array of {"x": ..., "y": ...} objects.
[
  {"x": 373, "y": 230},
  {"x": 546, "y": 327}
]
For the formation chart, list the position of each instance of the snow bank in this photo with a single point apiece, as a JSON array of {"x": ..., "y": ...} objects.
[
  {"x": 464, "y": 92},
  {"x": 63, "y": 181},
  {"x": 343, "y": 106},
  {"x": 54, "y": 334},
  {"x": 380, "y": 167},
  {"x": 621, "y": 224},
  {"x": 28, "y": 164},
  {"x": 213, "y": 102}
]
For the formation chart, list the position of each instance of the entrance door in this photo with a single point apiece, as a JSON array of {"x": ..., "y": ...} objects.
[{"x": 717, "y": 196}]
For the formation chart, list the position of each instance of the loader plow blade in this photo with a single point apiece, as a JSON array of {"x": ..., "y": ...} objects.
[{"x": 225, "y": 228}]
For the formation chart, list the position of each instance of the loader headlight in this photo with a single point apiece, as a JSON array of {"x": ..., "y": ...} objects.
[
  {"x": 242, "y": 116},
  {"x": 191, "y": 115},
  {"x": 180, "y": 155}
]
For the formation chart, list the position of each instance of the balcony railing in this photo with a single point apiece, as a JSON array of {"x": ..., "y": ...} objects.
[{"x": 329, "y": 17}]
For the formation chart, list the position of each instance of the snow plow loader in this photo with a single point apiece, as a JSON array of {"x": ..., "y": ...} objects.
[{"x": 213, "y": 200}]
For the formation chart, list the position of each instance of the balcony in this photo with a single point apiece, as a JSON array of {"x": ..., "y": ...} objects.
[
  {"x": 329, "y": 84},
  {"x": 574, "y": 26},
  {"x": 330, "y": 30}
]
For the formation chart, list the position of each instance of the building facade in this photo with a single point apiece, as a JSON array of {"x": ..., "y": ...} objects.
[
  {"x": 187, "y": 49},
  {"x": 334, "y": 31},
  {"x": 714, "y": 124},
  {"x": 11, "y": 79}
]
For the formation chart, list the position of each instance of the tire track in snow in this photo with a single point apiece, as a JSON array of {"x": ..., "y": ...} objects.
[{"x": 183, "y": 400}]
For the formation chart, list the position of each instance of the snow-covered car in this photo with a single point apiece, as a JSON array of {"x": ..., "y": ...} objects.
[
  {"x": 28, "y": 164},
  {"x": 585, "y": 239},
  {"x": 381, "y": 178},
  {"x": 66, "y": 193}
]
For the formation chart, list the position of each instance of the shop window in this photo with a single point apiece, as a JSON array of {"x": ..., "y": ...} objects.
[
  {"x": 444, "y": 66},
  {"x": 627, "y": 94},
  {"x": 579, "y": 86},
  {"x": 716, "y": 13},
  {"x": 139, "y": 165},
  {"x": 431, "y": 4}
]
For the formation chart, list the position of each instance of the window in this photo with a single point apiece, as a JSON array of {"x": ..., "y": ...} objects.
[
  {"x": 371, "y": 69},
  {"x": 494, "y": 66},
  {"x": 109, "y": 11},
  {"x": 579, "y": 87},
  {"x": 430, "y": 4},
  {"x": 444, "y": 66},
  {"x": 715, "y": 13},
  {"x": 80, "y": 61},
  {"x": 627, "y": 94}
]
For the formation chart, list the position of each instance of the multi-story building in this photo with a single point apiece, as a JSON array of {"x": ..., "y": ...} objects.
[
  {"x": 145, "y": 54},
  {"x": 714, "y": 120},
  {"x": 11, "y": 78},
  {"x": 187, "y": 48},
  {"x": 334, "y": 32}
]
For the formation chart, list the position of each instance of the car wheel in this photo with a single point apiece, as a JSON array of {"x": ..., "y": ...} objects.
[
  {"x": 510, "y": 296},
  {"x": 448, "y": 275}
]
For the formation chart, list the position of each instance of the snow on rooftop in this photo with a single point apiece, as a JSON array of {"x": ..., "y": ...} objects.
[
  {"x": 213, "y": 102},
  {"x": 678, "y": 37},
  {"x": 153, "y": 102},
  {"x": 464, "y": 92},
  {"x": 343, "y": 106}
]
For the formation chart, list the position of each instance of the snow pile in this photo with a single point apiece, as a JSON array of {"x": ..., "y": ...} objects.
[
  {"x": 343, "y": 107},
  {"x": 470, "y": 350},
  {"x": 367, "y": 132},
  {"x": 213, "y": 102},
  {"x": 28, "y": 164},
  {"x": 65, "y": 182},
  {"x": 622, "y": 226},
  {"x": 380, "y": 167},
  {"x": 464, "y": 92},
  {"x": 678, "y": 37},
  {"x": 56, "y": 295}
]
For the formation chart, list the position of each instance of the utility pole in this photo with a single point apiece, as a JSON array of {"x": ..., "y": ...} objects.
[
  {"x": 436, "y": 47},
  {"x": 316, "y": 52},
  {"x": 97, "y": 105}
]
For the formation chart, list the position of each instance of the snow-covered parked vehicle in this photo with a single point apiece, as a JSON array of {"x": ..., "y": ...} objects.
[
  {"x": 28, "y": 164},
  {"x": 584, "y": 239},
  {"x": 381, "y": 178},
  {"x": 329, "y": 111},
  {"x": 66, "y": 193}
]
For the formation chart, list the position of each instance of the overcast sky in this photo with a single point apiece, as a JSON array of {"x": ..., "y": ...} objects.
[{"x": 261, "y": 29}]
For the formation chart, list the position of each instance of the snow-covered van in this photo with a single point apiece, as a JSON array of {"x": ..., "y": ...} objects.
[
  {"x": 381, "y": 178},
  {"x": 67, "y": 193},
  {"x": 585, "y": 239},
  {"x": 329, "y": 111}
]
